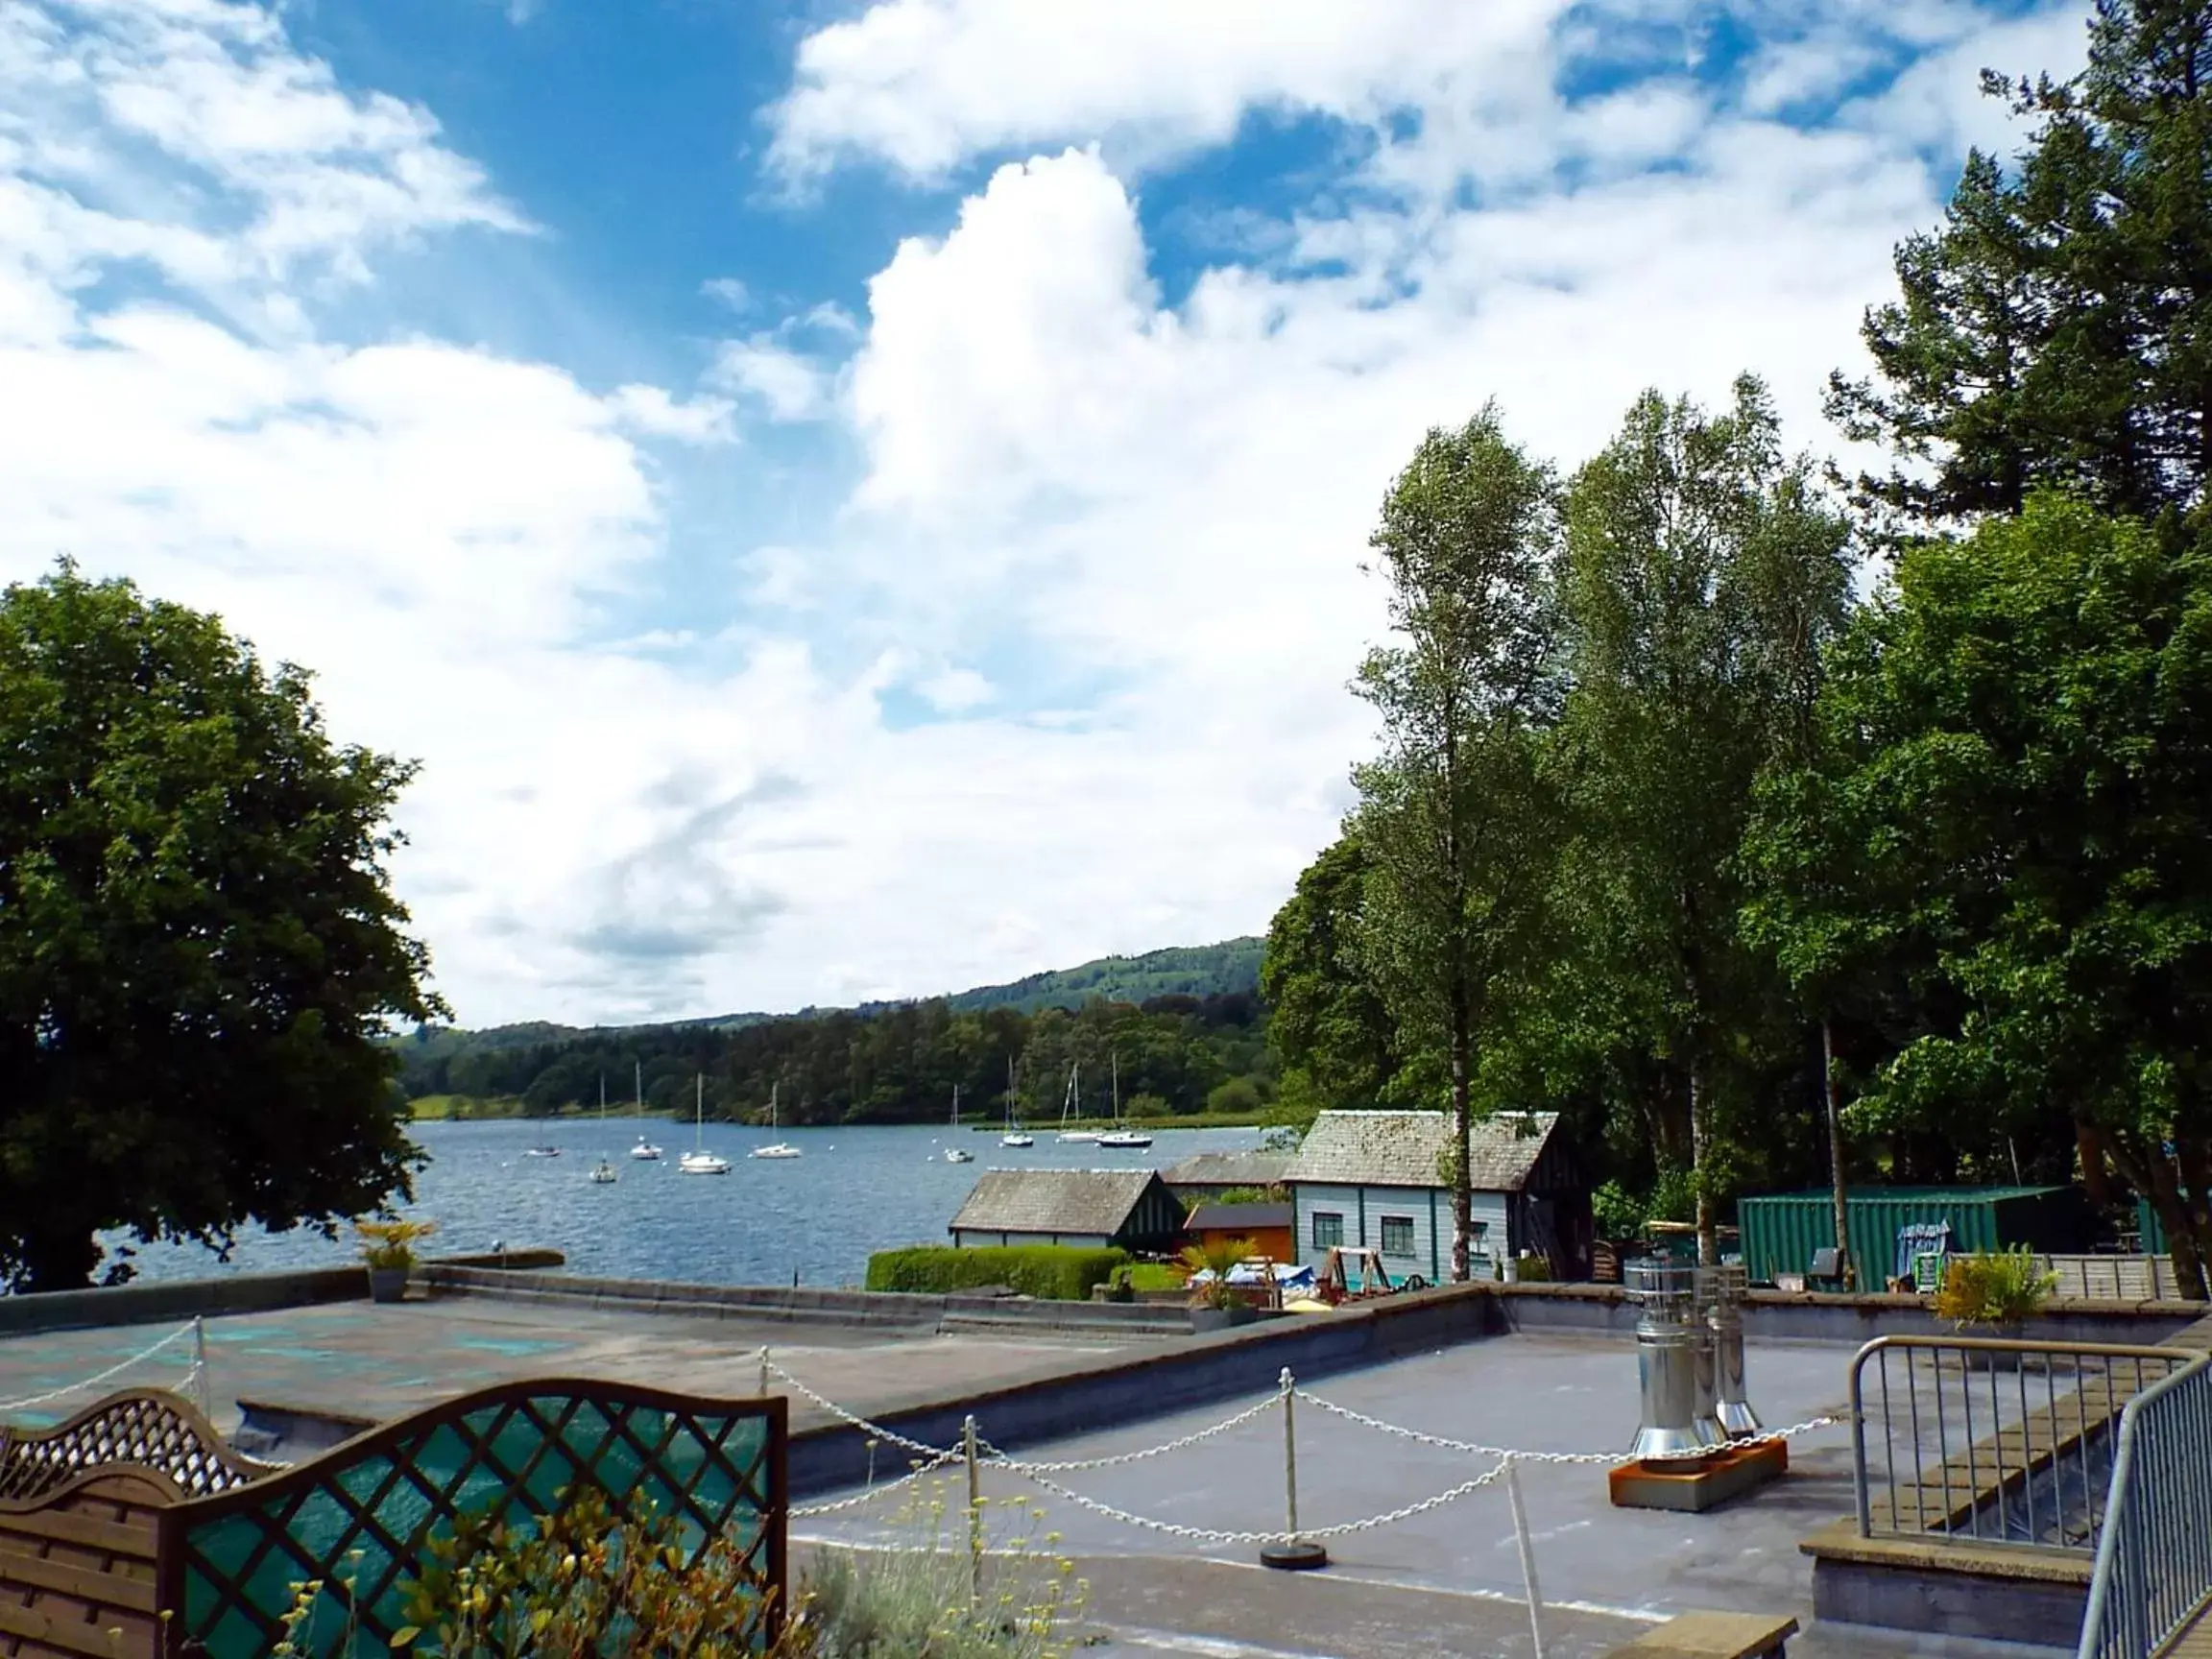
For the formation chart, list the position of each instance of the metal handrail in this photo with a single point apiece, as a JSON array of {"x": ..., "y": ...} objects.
[
  {"x": 2126, "y": 1623},
  {"x": 1980, "y": 1487}
]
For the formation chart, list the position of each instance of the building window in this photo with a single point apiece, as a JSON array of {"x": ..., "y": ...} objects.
[
  {"x": 1328, "y": 1229},
  {"x": 1396, "y": 1234}
]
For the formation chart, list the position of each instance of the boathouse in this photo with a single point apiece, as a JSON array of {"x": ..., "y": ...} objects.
[
  {"x": 1379, "y": 1179},
  {"x": 1207, "y": 1175},
  {"x": 1131, "y": 1208}
]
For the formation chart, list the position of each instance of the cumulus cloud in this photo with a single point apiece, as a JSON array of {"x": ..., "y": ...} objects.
[{"x": 1142, "y": 514}]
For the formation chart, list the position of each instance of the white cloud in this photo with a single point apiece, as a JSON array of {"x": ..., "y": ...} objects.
[
  {"x": 792, "y": 385},
  {"x": 923, "y": 84},
  {"x": 650, "y": 411},
  {"x": 1145, "y": 517},
  {"x": 957, "y": 691},
  {"x": 729, "y": 290}
]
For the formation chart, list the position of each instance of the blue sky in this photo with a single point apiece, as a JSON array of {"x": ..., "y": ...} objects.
[{"x": 853, "y": 500}]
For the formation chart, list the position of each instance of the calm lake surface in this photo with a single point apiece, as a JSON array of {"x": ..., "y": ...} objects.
[{"x": 855, "y": 1190}]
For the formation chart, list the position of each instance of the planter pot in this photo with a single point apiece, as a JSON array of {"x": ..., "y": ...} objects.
[
  {"x": 1222, "y": 1319},
  {"x": 387, "y": 1284},
  {"x": 1981, "y": 1360}
]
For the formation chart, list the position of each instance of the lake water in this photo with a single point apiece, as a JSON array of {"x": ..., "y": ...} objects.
[{"x": 856, "y": 1189}]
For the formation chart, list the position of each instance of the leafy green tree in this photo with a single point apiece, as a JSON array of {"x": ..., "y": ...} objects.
[
  {"x": 1453, "y": 816},
  {"x": 2014, "y": 812},
  {"x": 2056, "y": 330},
  {"x": 1327, "y": 1020},
  {"x": 1702, "y": 573},
  {"x": 199, "y": 947}
]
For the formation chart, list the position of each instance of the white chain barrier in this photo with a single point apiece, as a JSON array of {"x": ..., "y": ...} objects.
[
  {"x": 1608, "y": 1458},
  {"x": 1039, "y": 1474},
  {"x": 195, "y": 1379}
]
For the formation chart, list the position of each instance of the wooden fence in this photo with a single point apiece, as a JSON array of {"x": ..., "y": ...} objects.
[{"x": 131, "y": 1532}]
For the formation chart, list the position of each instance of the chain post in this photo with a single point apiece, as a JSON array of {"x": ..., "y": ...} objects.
[
  {"x": 1290, "y": 1554},
  {"x": 975, "y": 1514},
  {"x": 1527, "y": 1553},
  {"x": 199, "y": 1367}
]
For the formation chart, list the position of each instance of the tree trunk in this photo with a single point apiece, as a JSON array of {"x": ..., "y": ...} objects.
[
  {"x": 2195, "y": 1197},
  {"x": 1462, "y": 1173},
  {"x": 1832, "y": 1088},
  {"x": 2095, "y": 1180},
  {"x": 1700, "y": 1140},
  {"x": 2165, "y": 1194}
]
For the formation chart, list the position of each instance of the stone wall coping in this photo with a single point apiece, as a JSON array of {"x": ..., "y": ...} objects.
[{"x": 1839, "y": 1540}]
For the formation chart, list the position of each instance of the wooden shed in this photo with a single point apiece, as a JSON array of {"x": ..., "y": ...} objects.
[
  {"x": 1131, "y": 1208},
  {"x": 1266, "y": 1225},
  {"x": 1377, "y": 1178}
]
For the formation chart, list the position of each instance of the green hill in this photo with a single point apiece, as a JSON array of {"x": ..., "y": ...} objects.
[
  {"x": 1182, "y": 1022},
  {"x": 1179, "y": 971}
]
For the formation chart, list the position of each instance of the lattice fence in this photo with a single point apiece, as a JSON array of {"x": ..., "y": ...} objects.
[
  {"x": 360, "y": 1517},
  {"x": 147, "y": 1429}
]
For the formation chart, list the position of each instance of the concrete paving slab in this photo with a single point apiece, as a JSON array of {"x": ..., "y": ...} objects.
[
  {"x": 382, "y": 1361},
  {"x": 1602, "y": 1569}
]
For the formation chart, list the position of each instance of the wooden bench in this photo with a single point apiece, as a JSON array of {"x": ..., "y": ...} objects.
[{"x": 1712, "y": 1636}]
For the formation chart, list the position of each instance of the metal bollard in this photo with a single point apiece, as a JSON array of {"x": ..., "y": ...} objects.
[{"x": 1291, "y": 1553}]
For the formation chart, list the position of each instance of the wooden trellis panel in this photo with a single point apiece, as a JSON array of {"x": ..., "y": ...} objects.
[
  {"x": 366, "y": 1510},
  {"x": 76, "y": 1568},
  {"x": 142, "y": 1428}
]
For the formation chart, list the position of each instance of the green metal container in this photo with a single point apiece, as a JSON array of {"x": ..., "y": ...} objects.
[
  {"x": 2153, "y": 1229},
  {"x": 1782, "y": 1230}
]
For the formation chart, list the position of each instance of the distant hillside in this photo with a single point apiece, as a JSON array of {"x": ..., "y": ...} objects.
[
  {"x": 1179, "y": 971},
  {"x": 1202, "y": 1002}
]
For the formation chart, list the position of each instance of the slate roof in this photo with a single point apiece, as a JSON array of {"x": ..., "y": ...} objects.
[
  {"x": 1229, "y": 1170},
  {"x": 1053, "y": 1200},
  {"x": 1237, "y": 1217},
  {"x": 1401, "y": 1149}
]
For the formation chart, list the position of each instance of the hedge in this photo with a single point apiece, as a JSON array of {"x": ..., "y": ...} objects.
[{"x": 1054, "y": 1272}]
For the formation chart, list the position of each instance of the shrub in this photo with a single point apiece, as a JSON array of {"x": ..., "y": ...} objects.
[
  {"x": 1251, "y": 1195},
  {"x": 1216, "y": 1255},
  {"x": 1239, "y": 1096},
  {"x": 915, "y": 1600},
  {"x": 392, "y": 1243},
  {"x": 582, "y": 1583},
  {"x": 1050, "y": 1272},
  {"x": 1993, "y": 1287}
]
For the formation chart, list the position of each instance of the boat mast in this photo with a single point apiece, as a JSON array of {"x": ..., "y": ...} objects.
[
  {"x": 699, "y": 1113},
  {"x": 1116, "y": 1088},
  {"x": 955, "y": 1105},
  {"x": 1009, "y": 1092}
]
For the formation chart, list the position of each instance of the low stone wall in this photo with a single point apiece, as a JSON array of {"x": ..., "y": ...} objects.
[
  {"x": 1851, "y": 1320},
  {"x": 851, "y": 1310},
  {"x": 173, "y": 1301}
]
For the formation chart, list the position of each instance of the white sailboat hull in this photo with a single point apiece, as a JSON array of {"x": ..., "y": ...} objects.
[{"x": 778, "y": 1150}]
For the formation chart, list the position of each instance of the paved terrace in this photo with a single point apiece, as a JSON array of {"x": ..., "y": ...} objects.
[
  {"x": 1444, "y": 1583},
  {"x": 362, "y": 1359}
]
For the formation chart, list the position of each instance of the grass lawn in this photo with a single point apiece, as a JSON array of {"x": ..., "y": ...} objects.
[{"x": 441, "y": 1108}]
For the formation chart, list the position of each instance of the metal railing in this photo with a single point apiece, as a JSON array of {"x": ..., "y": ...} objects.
[
  {"x": 1998, "y": 1442},
  {"x": 2154, "y": 1569}
]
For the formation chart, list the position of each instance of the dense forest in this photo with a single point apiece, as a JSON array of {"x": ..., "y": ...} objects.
[{"x": 1181, "y": 1030}]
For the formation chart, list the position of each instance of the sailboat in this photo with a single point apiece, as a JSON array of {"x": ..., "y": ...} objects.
[
  {"x": 699, "y": 1161},
  {"x": 1012, "y": 1137},
  {"x": 645, "y": 1151},
  {"x": 1122, "y": 1135},
  {"x": 958, "y": 1154},
  {"x": 603, "y": 1173},
  {"x": 1068, "y": 1107},
  {"x": 774, "y": 1148},
  {"x": 544, "y": 1149}
]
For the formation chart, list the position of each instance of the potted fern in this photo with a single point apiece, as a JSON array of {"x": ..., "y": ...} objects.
[
  {"x": 388, "y": 1248},
  {"x": 1993, "y": 1293},
  {"x": 1215, "y": 1302}
]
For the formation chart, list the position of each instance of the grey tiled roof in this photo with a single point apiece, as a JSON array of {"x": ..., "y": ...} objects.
[
  {"x": 1401, "y": 1149},
  {"x": 1228, "y": 1169},
  {"x": 1053, "y": 1200}
]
